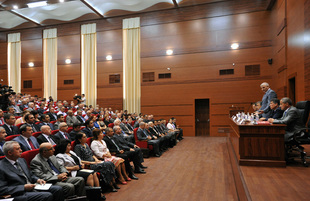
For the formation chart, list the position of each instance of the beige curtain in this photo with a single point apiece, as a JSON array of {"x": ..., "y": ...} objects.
[
  {"x": 14, "y": 59},
  {"x": 131, "y": 65},
  {"x": 50, "y": 63},
  {"x": 89, "y": 63}
]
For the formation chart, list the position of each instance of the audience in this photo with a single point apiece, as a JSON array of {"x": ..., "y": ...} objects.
[
  {"x": 26, "y": 140},
  {"x": 2, "y": 140},
  {"x": 46, "y": 136},
  {"x": 60, "y": 119},
  {"x": 9, "y": 125},
  {"x": 62, "y": 133},
  {"x": 143, "y": 136}
]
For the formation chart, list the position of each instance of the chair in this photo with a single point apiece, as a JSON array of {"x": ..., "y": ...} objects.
[
  {"x": 301, "y": 136},
  {"x": 69, "y": 129},
  {"x": 141, "y": 144},
  {"x": 54, "y": 131},
  {"x": 29, "y": 155},
  {"x": 19, "y": 125},
  {"x": 2, "y": 157},
  {"x": 89, "y": 140},
  {"x": 111, "y": 125},
  {"x": 11, "y": 137},
  {"x": 53, "y": 122},
  {"x": 38, "y": 122},
  {"x": 72, "y": 145},
  {"x": 36, "y": 134}
]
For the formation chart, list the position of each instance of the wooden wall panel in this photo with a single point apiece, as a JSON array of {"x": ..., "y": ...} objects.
[{"x": 307, "y": 50}]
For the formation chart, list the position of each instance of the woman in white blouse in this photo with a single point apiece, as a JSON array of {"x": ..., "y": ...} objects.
[{"x": 101, "y": 150}]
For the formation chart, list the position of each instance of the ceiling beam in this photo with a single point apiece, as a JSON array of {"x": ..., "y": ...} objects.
[
  {"x": 92, "y": 8},
  {"x": 24, "y": 17},
  {"x": 175, "y": 3}
]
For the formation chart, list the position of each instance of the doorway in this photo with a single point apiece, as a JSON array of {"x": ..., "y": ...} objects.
[
  {"x": 291, "y": 89},
  {"x": 202, "y": 118}
]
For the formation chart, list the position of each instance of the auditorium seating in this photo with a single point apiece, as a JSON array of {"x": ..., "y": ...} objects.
[
  {"x": 11, "y": 137},
  {"x": 36, "y": 134},
  {"x": 141, "y": 144},
  {"x": 29, "y": 155}
]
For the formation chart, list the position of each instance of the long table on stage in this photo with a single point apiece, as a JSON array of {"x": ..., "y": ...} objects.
[{"x": 258, "y": 145}]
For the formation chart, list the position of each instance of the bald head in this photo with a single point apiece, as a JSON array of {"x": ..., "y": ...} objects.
[
  {"x": 46, "y": 130},
  {"x": 46, "y": 149}
]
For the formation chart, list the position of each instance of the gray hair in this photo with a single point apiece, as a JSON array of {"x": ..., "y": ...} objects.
[
  {"x": 117, "y": 120},
  {"x": 115, "y": 128},
  {"x": 141, "y": 124},
  {"x": 62, "y": 124},
  {"x": 264, "y": 84},
  {"x": 8, "y": 146},
  {"x": 1, "y": 128},
  {"x": 287, "y": 100}
]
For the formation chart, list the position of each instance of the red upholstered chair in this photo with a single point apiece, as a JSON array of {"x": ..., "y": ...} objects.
[
  {"x": 19, "y": 125},
  {"x": 36, "y": 134},
  {"x": 70, "y": 129},
  {"x": 141, "y": 144},
  {"x": 38, "y": 122},
  {"x": 72, "y": 146},
  {"x": 45, "y": 112},
  {"x": 53, "y": 122},
  {"x": 2, "y": 157},
  {"x": 111, "y": 125},
  {"x": 11, "y": 137},
  {"x": 54, "y": 132},
  {"x": 133, "y": 123},
  {"x": 83, "y": 115},
  {"x": 89, "y": 140},
  {"x": 17, "y": 117},
  {"x": 82, "y": 127},
  {"x": 29, "y": 155}
]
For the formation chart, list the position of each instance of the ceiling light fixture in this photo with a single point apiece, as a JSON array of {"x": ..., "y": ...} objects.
[
  {"x": 109, "y": 57},
  {"x": 234, "y": 46},
  {"x": 31, "y": 64},
  {"x": 169, "y": 52},
  {"x": 15, "y": 7},
  {"x": 37, "y": 4},
  {"x": 61, "y": 1},
  {"x": 68, "y": 61}
]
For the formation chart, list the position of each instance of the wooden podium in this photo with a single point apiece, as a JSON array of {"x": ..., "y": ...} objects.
[{"x": 258, "y": 145}]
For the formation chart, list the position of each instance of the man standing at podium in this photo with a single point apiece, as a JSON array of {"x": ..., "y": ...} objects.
[{"x": 269, "y": 94}]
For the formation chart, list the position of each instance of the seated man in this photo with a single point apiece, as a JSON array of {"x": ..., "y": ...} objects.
[
  {"x": 276, "y": 112},
  {"x": 143, "y": 136},
  {"x": 76, "y": 130},
  {"x": 45, "y": 166},
  {"x": 9, "y": 125},
  {"x": 163, "y": 139},
  {"x": 62, "y": 133},
  {"x": 16, "y": 179},
  {"x": 60, "y": 119},
  {"x": 47, "y": 136},
  {"x": 46, "y": 121},
  {"x": 71, "y": 119},
  {"x": 51, "y": 113},
  {"x": 129, "y": 135},
  {"x": 30, "y": 121},
  {"x": 2, "y": 140},
  {"x": 89, "y": 127},
  {"x": 80, "y": 117},
  {"x": 26, "y": 140},
  {"x": 291, "y": 117}
]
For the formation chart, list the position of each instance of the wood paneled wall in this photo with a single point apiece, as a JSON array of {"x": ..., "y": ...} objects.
[{"x": 200, "y": 37}]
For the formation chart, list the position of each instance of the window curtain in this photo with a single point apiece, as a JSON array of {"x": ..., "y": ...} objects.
[
  {"x": 89, "y": 63},
  {"x": 50, "y": 63},
  {"x": 131, "y": 65},
  {"x": 14, "y": 61}
]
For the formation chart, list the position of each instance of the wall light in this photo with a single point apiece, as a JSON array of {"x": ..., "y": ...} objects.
[
  {"x": 68, "y": 61},
  {"x": 61, "y": 1},
  {"x": 234, "y": 46},
  {"x": 109, "y": 57},
  {"x": 15, "y": 7},
  {"x": 37, "y": 4},
  {"x": 31, "y": 64},
  {"x": 169, "y": 52}
]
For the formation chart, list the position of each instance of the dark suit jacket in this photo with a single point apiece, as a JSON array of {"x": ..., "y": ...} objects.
[
  {"x": 276, "y": 114},
  {"x": 59, "y": 136},
  {"x": 153, "y": 132},
  {"x": 87, "y": 132},
  {"x": 41, "y": 139},
  {"x": 49, "y": 124},
  {"x": 1, "y": 153},
  {"x": 36, "y": 126},
  {"x": 141, "y": 135},
  {"x": 53, "y": 117},
  {"x": 24, "y": 145},
  {"x": 12, "y": 181},
  {"x": 122, "y": 143},
  {"x": 9, "y": 132},
  {"x": 112, "y": 148},
  {"x": 125, "y": 128}
]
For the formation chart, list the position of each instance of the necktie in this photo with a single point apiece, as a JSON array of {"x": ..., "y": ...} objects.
[
  {"x": 33, "y": 128},
  {"x": 51, "y": 140},
  {"x": 12, "y": 129},
  {"x": 115, "y": 145},
  {"x": 52, "y": 166},
  {"x": 31, "y": 144},
  {"x": 21, "y": 171},
  {"x": 66, "y": 136}
]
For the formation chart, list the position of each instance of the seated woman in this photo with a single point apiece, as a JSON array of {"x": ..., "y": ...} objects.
[
  {"x": 100, "y": 149},
  {"x": 107, "y": 169},
  {"x": 73, "y": 164},
  {"x": 98, "y": 124},
  {"x": 22, "y": 118}
]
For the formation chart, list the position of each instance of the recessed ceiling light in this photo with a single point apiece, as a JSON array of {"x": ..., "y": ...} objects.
[
  {"x": 109, "y": 57},
  {"x": 68, "y": 61},
  {"x": 31, "y": 64},
  {"x": 37, "y": 4},
  {"x": 15, "y": 7},
  {"x": 169, "y": 52},
  {"x": 234, "y": 46},
  {"x": 61, "y": 1}
]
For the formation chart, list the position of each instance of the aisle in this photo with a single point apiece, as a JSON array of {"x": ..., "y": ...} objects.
[{"x": 198, "y": 168}]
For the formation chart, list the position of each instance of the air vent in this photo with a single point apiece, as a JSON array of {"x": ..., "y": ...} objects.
[
  {"x": 164, "y": 75},
  {"x": 115, "y": 78},
  {"x": 251, "y": 70},
  {"x": 227, "y": 72},
  {"x": 148, "y": 77},
  {"x": 68, "y": 81},
  {"x": 27, "y": 84}
]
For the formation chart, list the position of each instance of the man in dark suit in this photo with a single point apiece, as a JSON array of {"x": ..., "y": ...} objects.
[
  {"x": 269, "y": 94},
  {"x": 143, "y": 136},
  {"x": 291, "y": 117},
  {"x": 30, "y": 121},
  {"x": 62, "y": 133},
  {"x": 89, "y": 127},
  {"x": 9, "y": 125},
  {"x": 2, "y": 140},
  {"x": 163, "y": 140},
  {"x": 276, "y": 112},
  {"x": 46, "y": 121},
  {"x": 76, "y": 130},
  {"x": 45, "y": 166},
  {"x": 132, "y": 150},
  {"x": 46, "y": 136},
  {"x": 1, "y": 117},
  {"x": 16, "y": 179},
  {"x": 80, "y": 117},
  {"x": 26, "y": 140},
  {"x": 51, "y": 113}
]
